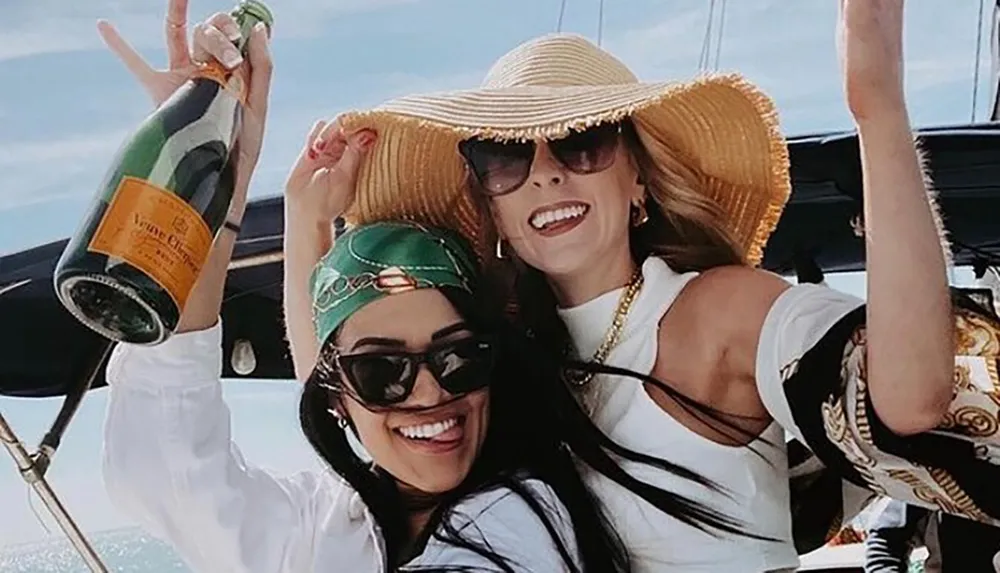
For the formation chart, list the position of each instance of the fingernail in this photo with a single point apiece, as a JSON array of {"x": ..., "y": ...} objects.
[
  {"x": 319, "y": 144},
  {"x": 313, "y": 154},
  {"x": 231, "y": 58}
]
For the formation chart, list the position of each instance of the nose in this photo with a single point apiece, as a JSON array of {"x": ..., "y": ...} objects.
[
  {"x": 427, "y": 393},
  {"x": 546, "y": 170}
]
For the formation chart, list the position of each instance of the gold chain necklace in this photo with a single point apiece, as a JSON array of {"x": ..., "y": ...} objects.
[{"x": 612, "y": 337}]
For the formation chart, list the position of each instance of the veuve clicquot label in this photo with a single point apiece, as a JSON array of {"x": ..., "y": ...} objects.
[
  {"x": 130, "y": 269},
  {"x": 158, "y": 233}
]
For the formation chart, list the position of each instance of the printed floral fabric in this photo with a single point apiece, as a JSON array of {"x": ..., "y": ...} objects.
[{"x": 849, "y": 454}]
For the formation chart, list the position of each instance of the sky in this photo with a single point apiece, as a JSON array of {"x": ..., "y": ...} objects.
[{"x": 66, "y": 104}]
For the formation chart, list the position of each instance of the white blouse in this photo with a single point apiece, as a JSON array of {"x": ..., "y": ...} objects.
[
  {"x": 169, "y": 463},
  {"x": 757, "y": 482}
]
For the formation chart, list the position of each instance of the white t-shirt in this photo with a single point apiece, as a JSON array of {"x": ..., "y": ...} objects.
[{"x": 170, "y": 463}]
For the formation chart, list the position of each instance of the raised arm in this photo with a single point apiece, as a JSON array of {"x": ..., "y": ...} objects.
[
  {"x": 909, "y": 321},
  {"x": 168, "y": 458},
  {"x": 319, "y": 189}
]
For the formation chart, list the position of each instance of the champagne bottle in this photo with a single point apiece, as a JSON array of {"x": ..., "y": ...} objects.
[{"x": 130, "y": 267}]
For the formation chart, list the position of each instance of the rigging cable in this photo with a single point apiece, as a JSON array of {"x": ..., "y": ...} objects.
[
  {"x": 31, "y": 505},
  {"x": 562, "y": 12},
  {"x": 718, "y": 43},
  {"x": 706, "y": 43},
  {"x": 600, "y": 22},
  {"x": 975, "y": 75}
]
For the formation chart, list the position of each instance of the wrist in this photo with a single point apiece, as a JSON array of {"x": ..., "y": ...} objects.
[
  {"x": 305, "y": 216},
  {"x": 886, "y": 118},
  {"x": 238, "y": 205},
  {"x": 312, "y": 231}
]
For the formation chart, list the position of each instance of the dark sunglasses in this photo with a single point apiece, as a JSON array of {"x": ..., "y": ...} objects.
[
  {"x": 501, "y": 167},
  {"x": 384, "y": 378}
]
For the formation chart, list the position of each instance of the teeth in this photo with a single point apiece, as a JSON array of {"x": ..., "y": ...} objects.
[
  {"x": 428, "y": 431},
  {"x": 544, "y": 218}
]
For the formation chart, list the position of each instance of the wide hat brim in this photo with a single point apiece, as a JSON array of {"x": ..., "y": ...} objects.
[{"x": 722, "y": 126}]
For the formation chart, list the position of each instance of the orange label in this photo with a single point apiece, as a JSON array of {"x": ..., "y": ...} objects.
[
  {"x": 157, "y": 232},
  {"x": 233, "y": 81}
]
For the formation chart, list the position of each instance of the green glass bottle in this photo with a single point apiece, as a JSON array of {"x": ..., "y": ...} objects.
[{"x": 128, "y": 270}]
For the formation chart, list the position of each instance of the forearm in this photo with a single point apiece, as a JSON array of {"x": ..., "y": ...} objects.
[
  {"x": 205, "y": 301},
  {"x": 304, "y": 245},
  {"x": 910, "y": 354}
]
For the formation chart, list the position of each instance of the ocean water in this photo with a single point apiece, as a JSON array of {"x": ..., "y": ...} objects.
[
  {"x": 130, "y": 551},
  {"x": 123, "y": 551}
]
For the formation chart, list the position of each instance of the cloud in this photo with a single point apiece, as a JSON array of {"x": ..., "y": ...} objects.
[
  {"x": 35, "y": 31},
  {"x": 77, "y": 147},
  {"x": 402, "y": 83},
  {"x": 37, "y": 27},
  {"x": 29, "y": 178}
]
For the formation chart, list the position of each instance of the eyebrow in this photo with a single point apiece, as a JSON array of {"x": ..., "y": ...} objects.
[
  {"x": 397, "y": 343},
  {"x": 457, "y": 327},
  {"x": 378, "y": 341}
]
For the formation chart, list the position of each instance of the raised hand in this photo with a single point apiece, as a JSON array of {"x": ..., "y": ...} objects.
[
  {"x": 159, "y": 84},
  {"x": 321, "y": 185},
  {"x": 870, "y": 45},
  {"x": 212, "y": 40}
]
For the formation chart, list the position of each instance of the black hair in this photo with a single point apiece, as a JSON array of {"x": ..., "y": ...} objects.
[{"x": 523, "y": 439}]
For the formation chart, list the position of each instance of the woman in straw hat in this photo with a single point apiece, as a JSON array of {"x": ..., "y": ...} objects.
[{"x": 633, "y": 216}]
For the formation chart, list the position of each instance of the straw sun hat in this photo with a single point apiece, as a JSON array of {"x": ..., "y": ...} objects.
[{"x": 721, "y": 125}]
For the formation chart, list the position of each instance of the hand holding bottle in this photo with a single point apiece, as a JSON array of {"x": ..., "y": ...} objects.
[
  {"x": 212, "y": 43},
  {"x": 159, "y": 84},
  {"x": 149, "y": 247}
]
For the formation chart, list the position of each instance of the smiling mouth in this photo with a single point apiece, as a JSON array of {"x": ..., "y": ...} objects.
[
  {"x": 437, "y": 437},
  {"x": 560, "y": 215}
]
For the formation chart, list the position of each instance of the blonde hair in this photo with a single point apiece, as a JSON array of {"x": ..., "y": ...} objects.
[{"x": 685, "y": 227}]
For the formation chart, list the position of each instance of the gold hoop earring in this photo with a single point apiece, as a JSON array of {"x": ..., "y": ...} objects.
[
  {"x": 499, "y": 253},
  {"x": 341, "y": 420},
  {"x": 639, "y": 213}
]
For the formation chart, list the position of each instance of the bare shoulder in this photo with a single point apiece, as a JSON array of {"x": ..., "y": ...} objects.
[
  {"x": 728, "y": 305},
  {"x": 737, "y": 292},
  {"x": 707, "y": 348}
]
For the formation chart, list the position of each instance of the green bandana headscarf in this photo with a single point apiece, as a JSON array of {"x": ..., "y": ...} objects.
[{"x": 369, "y": 262}]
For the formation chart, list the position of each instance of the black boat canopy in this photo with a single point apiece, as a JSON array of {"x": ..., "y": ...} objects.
[{"x": 44, "y": 350}]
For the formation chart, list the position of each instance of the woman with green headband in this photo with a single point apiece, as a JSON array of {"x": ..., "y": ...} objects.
[{"x": 470, "y": 436}]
